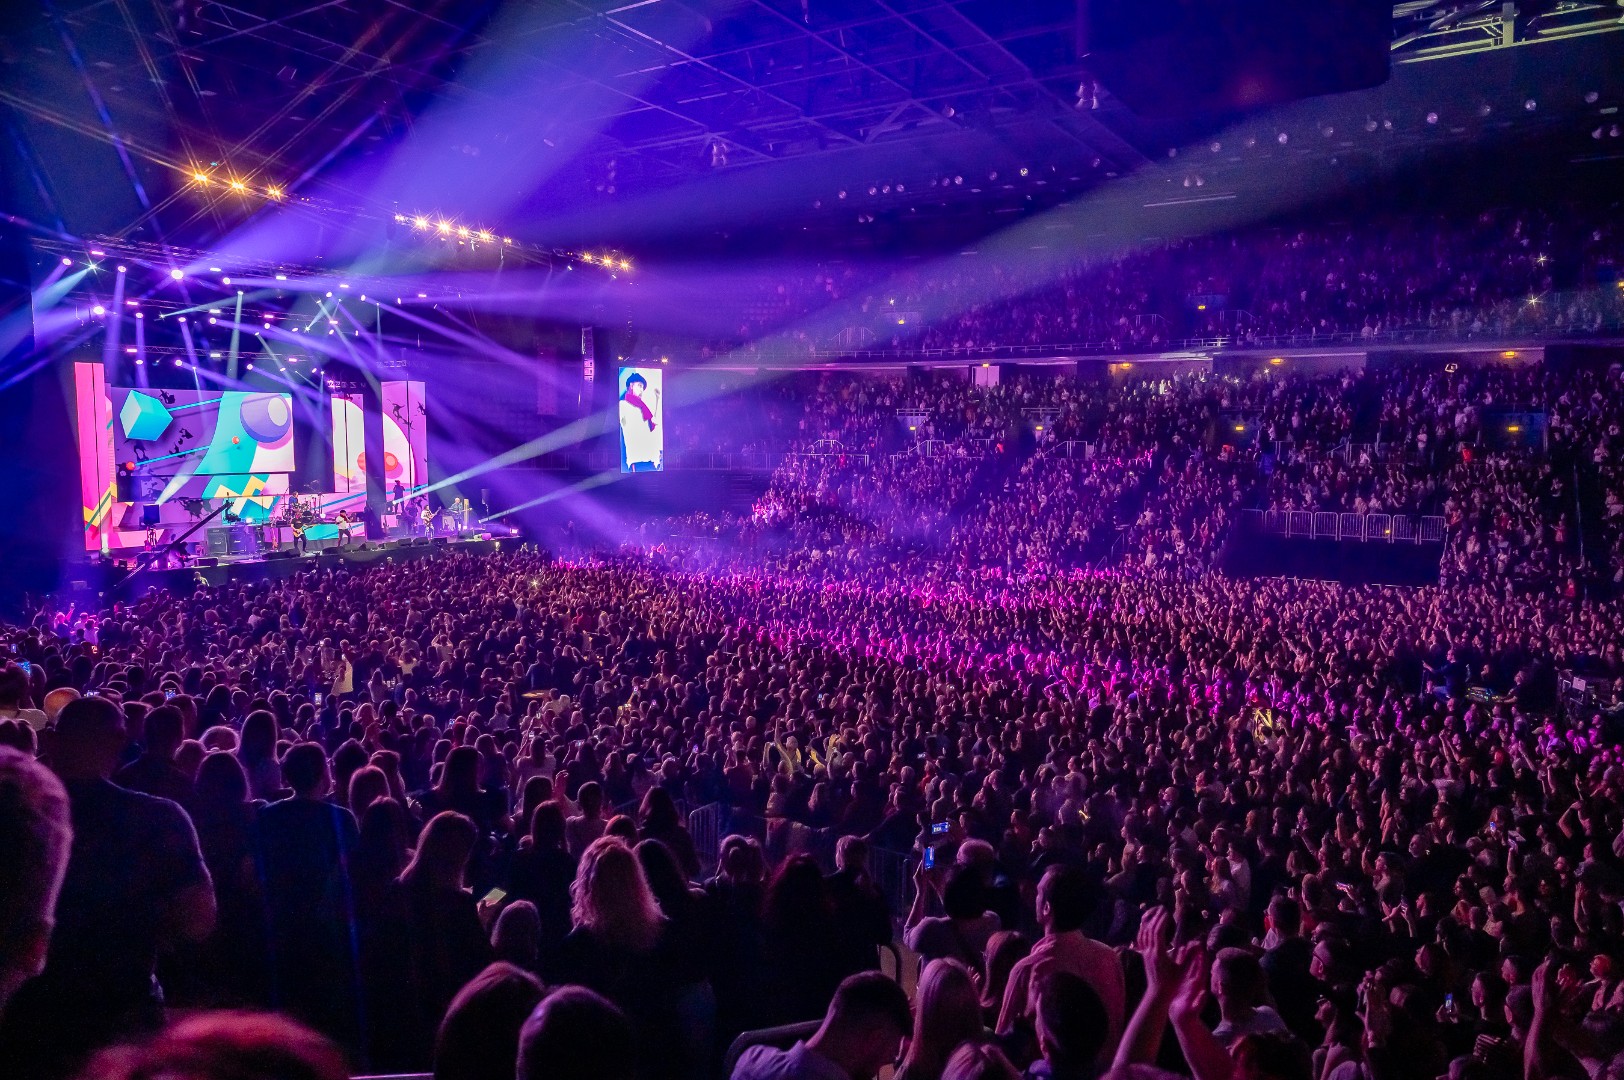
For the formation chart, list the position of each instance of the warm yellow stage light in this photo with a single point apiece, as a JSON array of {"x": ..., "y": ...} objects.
[
  {"x": 420, "y": 222},
  {"x": 444, "y": 227},
  {"x": 201, "y": 178},
  {"x": 238, "y": 185}
]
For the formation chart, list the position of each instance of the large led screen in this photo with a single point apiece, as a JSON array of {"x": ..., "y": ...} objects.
[{"x": 642, "y": 419}]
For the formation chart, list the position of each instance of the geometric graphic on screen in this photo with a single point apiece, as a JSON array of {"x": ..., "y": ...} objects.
[
  {"x": 349, "y": 446},
  {"x": 204, "y": 433},
  {"x": 405, "y": 433}
]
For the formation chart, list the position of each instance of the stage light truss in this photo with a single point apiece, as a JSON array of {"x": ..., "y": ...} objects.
[
  {"x": 432, "y": 226},
  {"x": 1432, "y": 29}
]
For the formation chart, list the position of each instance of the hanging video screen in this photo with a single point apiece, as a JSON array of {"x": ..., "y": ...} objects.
[{"x": 642, "y": 419}]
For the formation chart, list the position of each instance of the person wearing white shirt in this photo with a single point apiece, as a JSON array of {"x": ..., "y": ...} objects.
[
  {"x": 860, "y": 1035},
  {"x": 640, "y": 431}
]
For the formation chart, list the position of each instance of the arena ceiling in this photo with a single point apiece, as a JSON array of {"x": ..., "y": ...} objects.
[{"x": 569, "y": 108}]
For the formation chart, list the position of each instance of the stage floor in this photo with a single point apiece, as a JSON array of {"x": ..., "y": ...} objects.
[{"x": 113, "y": 581}]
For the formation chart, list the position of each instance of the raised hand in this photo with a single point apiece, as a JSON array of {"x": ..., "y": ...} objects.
[
  {"x": 1154, "y": 944},
  {"x": 1190, "y": 993}
]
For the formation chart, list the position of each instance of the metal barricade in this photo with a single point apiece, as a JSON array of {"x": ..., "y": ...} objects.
[
  {"x": 1432, "y": 528},
  {"x": 1352, "y": 527},
  {"x": 1325, "y": 526},
  {"x": 705, "y": 826},
  {"x": 1274, "y": 521},
  {"x": 1299, "y": 523},
  {"x": 1378, "y": 526},
  {"x": 1403, "y": 527},
  {"x": 892, "y": 872}
]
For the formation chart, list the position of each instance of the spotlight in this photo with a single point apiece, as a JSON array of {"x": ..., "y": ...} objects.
[
  {"x": 1432, "y": 118},
  {"x": 484, "y": 235},
  {"x": 212, "y": 321},
  {"x": 177, "y": 274},
  {"x": 177, "y": 361},
  {"x": 201, "y": 178},
  {"x": 400, "y": 219},
  {"x": 281, "y": 277},
  {"x": 1530, "y": 105},
  {"x": 140, "y": 315},
  {"x": 130, "y": 349},
  {"x": 98, "y": 254},
  {"x": 98, "y": 310},
  {"x": 225, "y": 281},
  {"x": 444, "y": 227},
  {"x": 274, "y": 192},
  {"x": 1282, "y": 138},
  {"x": 250, "y": 365},
  {"x": 625, "y": 265},
  {"x": 462, "y": 231},
  {"x": 587, "y": 258},
  {"x": 420, "y": 222},
  {"x": 239, "y": 186},
  {"x": 67, "y": 262},
  {"x": 507, "y": 239}
]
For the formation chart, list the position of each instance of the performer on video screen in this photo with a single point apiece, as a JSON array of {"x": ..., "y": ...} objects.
[{"x": 640, "y": 426}]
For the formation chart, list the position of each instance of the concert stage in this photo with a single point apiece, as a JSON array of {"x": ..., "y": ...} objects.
[{"x": 117, "y": 581}]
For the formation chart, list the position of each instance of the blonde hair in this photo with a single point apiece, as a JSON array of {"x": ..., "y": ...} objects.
[
  {"x": 947, "y": 1013},
  {"x": 612, "y": 897},
  {"x": 979, "y": 1061},
  {"x": 442, "y": 853}
]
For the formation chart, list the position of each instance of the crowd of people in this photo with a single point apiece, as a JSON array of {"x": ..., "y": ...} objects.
[
  {"x": 1505, "y": 272},
  {"x": 971, "y": 691},
  {"x": 1054, "y": 471}
]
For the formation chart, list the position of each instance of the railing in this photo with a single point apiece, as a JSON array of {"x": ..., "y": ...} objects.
[
  {"x": 723, "y": 460},
  {"x": 1326, "y": 525},
  {"x": 780, "y": 838},
  {"x": 1611, "y": 328},
  {"x": 1378, "y": 453},
  {"x": 1067, "y": 448}
]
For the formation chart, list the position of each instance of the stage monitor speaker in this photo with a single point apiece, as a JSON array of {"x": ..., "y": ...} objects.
[
  {"x": 1165, "y": 58},
  {"x": 280, "y": 555},
  {"x": 149, "y": 513},
  {"x": 206, "y": 563},
  {"x": 124, "y": 486}
]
